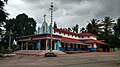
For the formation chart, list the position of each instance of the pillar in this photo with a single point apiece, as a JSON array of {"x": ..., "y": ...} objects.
[
  {"x": 38, "y": 45},
  {"x": 22, "y": 46},
  {"x": 46, "y": 45},
  {"x": 57, "y": 45},
  {"x": 32, "y": 46},
  {"x": 26, "y": 46}
]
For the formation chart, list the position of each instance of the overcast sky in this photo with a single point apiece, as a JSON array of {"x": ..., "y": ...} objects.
[{"x": 67, "y": 13}]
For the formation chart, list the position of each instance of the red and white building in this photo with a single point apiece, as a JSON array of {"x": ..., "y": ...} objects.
[{"x": 60, "y": 39}]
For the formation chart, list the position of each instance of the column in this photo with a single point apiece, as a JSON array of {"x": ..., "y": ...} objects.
[
  {"x": 46, "y": 45},
  {"x": 32, "y": 46},
  {"x": 57, "y": 45},
  {"x": 22, "y": 46},
  {"x": 39, "y": 45},
  {"x": 26, "y": 45}
]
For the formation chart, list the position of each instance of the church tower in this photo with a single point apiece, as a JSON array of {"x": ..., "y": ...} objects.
[{"x": 44, "y": 28}]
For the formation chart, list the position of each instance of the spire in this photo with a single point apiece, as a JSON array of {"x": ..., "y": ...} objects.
[{"x": 44, "y": 17}]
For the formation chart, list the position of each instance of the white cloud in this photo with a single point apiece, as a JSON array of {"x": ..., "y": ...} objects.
[{"x": 67, "y": 13}]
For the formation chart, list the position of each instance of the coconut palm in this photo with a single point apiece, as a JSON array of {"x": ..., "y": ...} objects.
[
  {"x": 93, "y": 26},
  {"x": 107, "y": 24}
]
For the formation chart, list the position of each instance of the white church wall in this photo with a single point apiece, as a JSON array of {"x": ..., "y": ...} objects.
[{"x": 66, "y": 35}]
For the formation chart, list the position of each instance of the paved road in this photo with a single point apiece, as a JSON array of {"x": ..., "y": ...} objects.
[{"x": 70, "y": 60}]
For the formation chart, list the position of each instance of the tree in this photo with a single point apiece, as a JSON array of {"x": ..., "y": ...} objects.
[
  {"x": 55, "y": 25},
  {"x": 22, "y": 25},
  {"x": 116, "y": 28},
  {"x": 82, "y": 30},
  {"x": 93, "y": 26},
  {"x": 107, "y": 24},
  {"x": 75, "y": 28},
  {"x": 69, "y": 29},
  {"x": 3, "y": 17}
]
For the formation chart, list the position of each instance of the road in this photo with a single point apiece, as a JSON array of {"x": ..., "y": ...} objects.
[{"x": 70, "y": 60}]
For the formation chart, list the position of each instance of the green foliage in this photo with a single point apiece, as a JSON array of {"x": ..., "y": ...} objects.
[
  {"x": 75, "y": 28},
  {"x": 55, "y": 25},
  {"x": 69, "y": 29},
  {"x": 22, "y": 25},
  {"x": 107, "y": 24},
  {"x": 82, "y": 30},
  {"x": 93, "y": 26},
  {"x": 106, "y": 30},
  {"x": 3, "y": 16},
  {"x": 1, "y": 48}
]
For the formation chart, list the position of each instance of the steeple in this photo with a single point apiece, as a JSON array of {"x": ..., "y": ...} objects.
[{"x": 44, "y": 27}]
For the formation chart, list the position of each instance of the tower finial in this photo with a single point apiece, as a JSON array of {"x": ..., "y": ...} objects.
[
  {"x": 44, "y": 17},
  {"x": 51, "y": 8}
]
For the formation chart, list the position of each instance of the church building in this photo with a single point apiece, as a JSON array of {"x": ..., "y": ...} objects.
[
  {"x": 59, "y": 39},
  {"x": 49, "y": 38}
]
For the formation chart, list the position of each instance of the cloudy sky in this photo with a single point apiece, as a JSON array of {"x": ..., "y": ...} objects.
[{"x": 66, "y": 12}]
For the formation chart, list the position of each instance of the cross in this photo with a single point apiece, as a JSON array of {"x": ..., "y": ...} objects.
[{"x": 44, "y": 17}]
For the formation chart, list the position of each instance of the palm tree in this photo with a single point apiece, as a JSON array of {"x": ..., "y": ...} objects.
[
  {"x": 93, "y": 26},
  {"x": 69, "y": 29},
  {"x": 117, "y": 27},
  {"x": 107, "y": 24},
  {"x": 82, "y": 30}
]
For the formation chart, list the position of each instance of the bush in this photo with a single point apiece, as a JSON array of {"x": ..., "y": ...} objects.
[{"x": 1, "y": 49}]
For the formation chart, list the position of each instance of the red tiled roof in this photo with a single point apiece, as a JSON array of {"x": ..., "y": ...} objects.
[
  {"x": 87, "y": 34},
  {"x": 72, "y": 33},
  {"x": 70, "y": 40},
  {"x": 94, "y": 41},
  {"x": 65, "y": 31}
]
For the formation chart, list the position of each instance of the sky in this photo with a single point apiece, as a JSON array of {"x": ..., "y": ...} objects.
[{"x": 66, "y": 13}]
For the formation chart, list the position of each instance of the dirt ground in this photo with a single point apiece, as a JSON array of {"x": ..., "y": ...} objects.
[{"x": 92, "y": 59}]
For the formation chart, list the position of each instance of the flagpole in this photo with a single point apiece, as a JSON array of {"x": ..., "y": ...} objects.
[
  {"x": 51, "y": 8},
  {"x": 51, "y": 54}
]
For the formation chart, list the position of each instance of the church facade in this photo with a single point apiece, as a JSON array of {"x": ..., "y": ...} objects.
[{"x": 58, "y": 39}]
